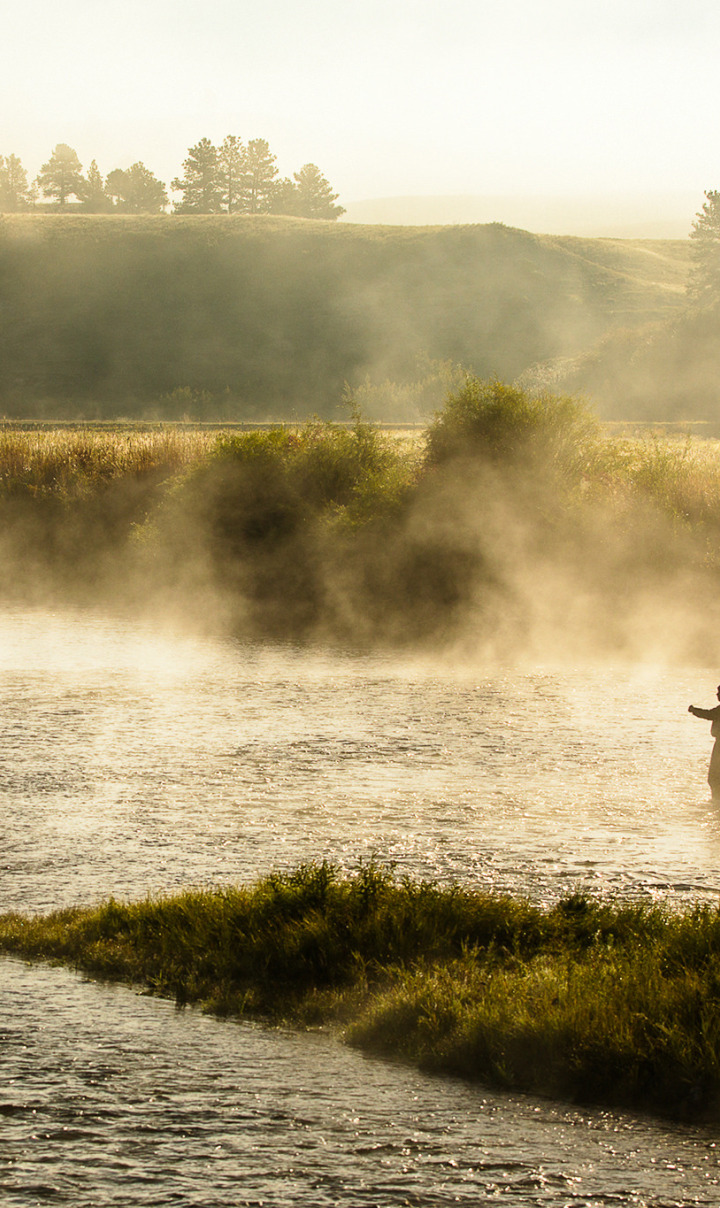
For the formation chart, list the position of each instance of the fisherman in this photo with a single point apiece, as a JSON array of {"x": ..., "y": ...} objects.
[{"x": 712, "y": 715}]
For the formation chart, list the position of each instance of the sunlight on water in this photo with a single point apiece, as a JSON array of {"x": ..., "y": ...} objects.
[
  {"x": 135, "y": 761},
  {"x": 116, "y": 1099}
]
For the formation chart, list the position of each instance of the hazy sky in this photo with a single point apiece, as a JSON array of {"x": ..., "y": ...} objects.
[{"x": 386, "y": 96}]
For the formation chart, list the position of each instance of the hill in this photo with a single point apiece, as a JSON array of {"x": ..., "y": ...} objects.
[
  {"x": 617, "y": 215},
  {"x": 265, "y": 317},
  {"x": 663, "y": 372}
]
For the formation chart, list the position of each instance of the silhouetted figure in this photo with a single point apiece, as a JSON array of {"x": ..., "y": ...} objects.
[{"x": 712, "y": 715}]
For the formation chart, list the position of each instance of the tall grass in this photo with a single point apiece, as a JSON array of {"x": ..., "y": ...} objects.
[
  {"x": 71, "y": 462},
  {"x": 355, "y": 534},
  {"x": 598, "y": 1002}
]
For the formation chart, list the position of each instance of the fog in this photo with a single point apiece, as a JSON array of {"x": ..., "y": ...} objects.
[
  {"x": 225, "y": 317},
  {"x": 558, "y": 543},
  {"x": 537, "y": 537},
  {"x": 658, "y": 215}
]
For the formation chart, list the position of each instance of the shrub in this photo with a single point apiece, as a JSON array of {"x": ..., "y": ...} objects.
[{"x": 502, "y": 423}]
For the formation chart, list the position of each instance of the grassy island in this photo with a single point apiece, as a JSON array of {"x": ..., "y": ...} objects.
[{"x": 589, "y": 1001}]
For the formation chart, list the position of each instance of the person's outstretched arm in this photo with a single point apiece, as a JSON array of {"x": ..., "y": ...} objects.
[{"x": 707, "y": 714}]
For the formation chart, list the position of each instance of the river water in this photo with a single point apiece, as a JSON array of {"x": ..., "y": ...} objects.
[{"x": 136, "y": 761}]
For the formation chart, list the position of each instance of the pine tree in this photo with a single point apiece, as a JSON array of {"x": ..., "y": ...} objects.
[
  {"x": 314, "y": 196},
  {"x": 15, "y": 194},
  {"x": 285, "y": 197},
  {"x": 61, "y": 177},
  {"x": 259, "y": 178},
  {"x": 704, "y": 286},
  {"x": 200, "y": 185},
  {"x": 137, "y": 190},
  {"x": 230, "y": 168},
  {"x": 96, "y": 199}
]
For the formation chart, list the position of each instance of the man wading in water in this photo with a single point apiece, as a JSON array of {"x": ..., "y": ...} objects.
[{"x": 712, "y": 715}]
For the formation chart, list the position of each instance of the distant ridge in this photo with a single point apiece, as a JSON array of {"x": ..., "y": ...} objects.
[{"x": 615, "y": 216}]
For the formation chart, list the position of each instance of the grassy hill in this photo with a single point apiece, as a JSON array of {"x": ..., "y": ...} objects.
[{"x": 265, "y": 317}]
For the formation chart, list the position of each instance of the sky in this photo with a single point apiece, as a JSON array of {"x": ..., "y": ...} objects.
[{"x": 388, "y": 97}]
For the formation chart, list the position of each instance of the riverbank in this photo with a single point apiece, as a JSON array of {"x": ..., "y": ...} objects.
[
  {"x": 512, "y": 525},
  {"x": 587, "y": 1001}
]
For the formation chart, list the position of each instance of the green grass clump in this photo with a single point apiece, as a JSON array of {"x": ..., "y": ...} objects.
[
  {"x": 502, "y": 423},
  {"x": 587, "y": 1000}
]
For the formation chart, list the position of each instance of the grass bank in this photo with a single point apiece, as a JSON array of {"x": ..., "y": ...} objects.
[{"x": 588, "y": 1001}]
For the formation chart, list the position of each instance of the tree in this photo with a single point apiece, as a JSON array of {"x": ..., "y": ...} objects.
[
  {"x": 314, "y": 197},
  {"x": 96, "y": 199},
  {"x": 704, "y": 284},
  {"x": 285, "y": 197},
  {"x": 200, "y": 185},
  {"x": 61, "y": 177},
  {"x": 15, "y": 194},
  {"x": 230, "y": 168},
  {"x": 136, "y": 190},
  {"x": 259, "y": 178}
]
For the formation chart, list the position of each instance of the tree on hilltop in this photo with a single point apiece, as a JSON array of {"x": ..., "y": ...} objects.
[
  {"x": 200, "y": 184},
  {"x": 314, "y": 196},
  {"x": 230, "y": 169},
  {"x": 15, "y": 193},
  {"x": 285, "y": 197},
  {"x": 61, "y": 177},
  {"x": 96, "y": 199},
  {"x": 704, "y": 284},
  {"x": 259, "y": 178},
  {"x": 136, "y": 190}
]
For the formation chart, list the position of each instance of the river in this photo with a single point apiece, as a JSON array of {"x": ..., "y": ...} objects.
[{"x": 136, "y": 761}]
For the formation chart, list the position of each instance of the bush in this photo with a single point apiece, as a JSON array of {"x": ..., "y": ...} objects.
[{"x": 502, "y": 423}]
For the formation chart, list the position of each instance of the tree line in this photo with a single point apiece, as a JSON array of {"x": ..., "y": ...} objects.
[{"x": 232, "y": 178}]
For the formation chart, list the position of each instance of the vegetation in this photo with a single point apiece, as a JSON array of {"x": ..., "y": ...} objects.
[
  {"x": 502, "y": 423},
  {"x": 668, "y": 369},
  {"x": 15, "y": 192},
  {"x": 705, "y": 234},
  {"x": 256, "y": 317},
  {"x": 588, "y": 1000},
  {"x": 61, "y": 177},
  {"x": 479, "y": 530},
  {"x": 134, "y": 191},
  {"x": 234, "y": 178}
]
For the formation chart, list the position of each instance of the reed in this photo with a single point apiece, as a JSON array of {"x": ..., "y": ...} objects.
[
  {"x": 603, "y": 1002},
  {"x": 78, "y": 462}
]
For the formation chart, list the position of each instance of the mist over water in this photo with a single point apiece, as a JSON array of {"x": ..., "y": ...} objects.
[{"x": 138, "y": 760}]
